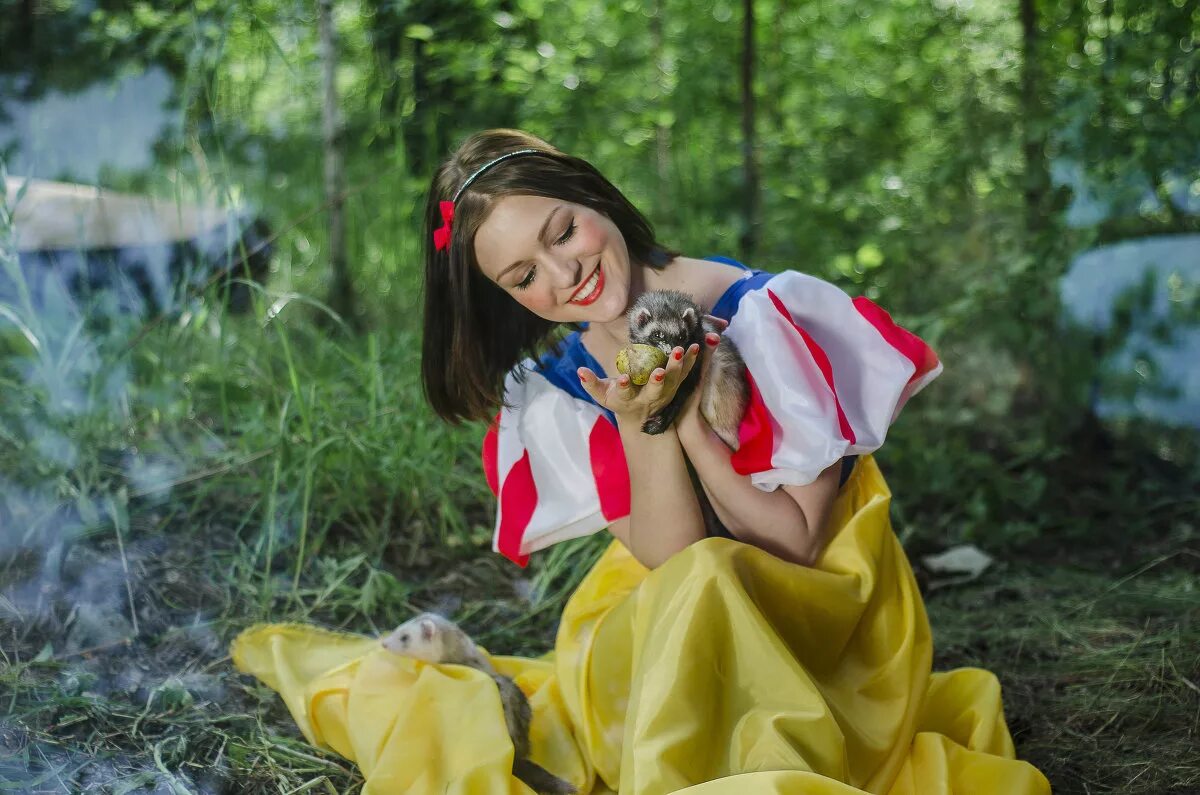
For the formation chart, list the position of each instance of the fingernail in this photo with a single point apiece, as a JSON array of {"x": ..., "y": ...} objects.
[
  {"x": 678, "y": 355},
  {"x": 582, "y": 376},
  {"x": 658, "y": 376},
  {"x": 711, "y": 339}
]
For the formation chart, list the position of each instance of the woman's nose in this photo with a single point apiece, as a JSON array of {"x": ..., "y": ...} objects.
[{"x": 566, "y": 273}]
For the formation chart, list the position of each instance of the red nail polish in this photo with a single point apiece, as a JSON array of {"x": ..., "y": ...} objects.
[
  {"x": 658, "y": 377},
  {"x": 582, "y": 377},
  {"x": 678, "y": 355}
]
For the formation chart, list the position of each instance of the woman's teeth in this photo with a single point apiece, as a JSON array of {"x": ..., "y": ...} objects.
[{"x": 584, "y": 293}]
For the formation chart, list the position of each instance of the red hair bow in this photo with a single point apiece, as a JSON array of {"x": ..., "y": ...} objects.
[{"x": 441, "y": 236}]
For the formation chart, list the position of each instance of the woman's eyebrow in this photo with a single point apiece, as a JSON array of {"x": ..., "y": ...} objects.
[{"x": 541, "y": 237}]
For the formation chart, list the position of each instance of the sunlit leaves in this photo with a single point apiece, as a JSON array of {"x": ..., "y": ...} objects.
[{"x": 419, "y": 32}]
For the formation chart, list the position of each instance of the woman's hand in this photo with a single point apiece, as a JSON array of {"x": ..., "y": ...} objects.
[{"x": 637, "y": 404}]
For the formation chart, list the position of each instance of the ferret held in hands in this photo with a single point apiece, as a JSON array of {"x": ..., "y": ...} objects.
[
  {"x": 668, "y": 318},
  {"x": 436, "y": 639}
]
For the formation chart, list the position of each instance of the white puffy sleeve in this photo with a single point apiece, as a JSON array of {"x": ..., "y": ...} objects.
[
  {"x": 556, "y": 465},
  {"x": 828, "y": 375}
]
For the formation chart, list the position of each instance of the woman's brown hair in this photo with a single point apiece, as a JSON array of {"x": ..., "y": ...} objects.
[{"x": 474, "y": 331}]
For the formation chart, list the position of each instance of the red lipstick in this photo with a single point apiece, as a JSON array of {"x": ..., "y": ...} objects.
[{"x": 594, "y": 293}]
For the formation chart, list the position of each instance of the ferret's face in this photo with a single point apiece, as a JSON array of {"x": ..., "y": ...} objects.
[
  {"x": 653, "y": 321},
  {"x": 664, "y": 334},
  {"x": 417, "y": 638},
  {"x": 562, "y": 261}
]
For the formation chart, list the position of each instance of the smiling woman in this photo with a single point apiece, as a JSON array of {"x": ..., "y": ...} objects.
[
  {"x": 474, "y": 330},
  {"x": 789, "y": 653},
  {"x": 561, "y": 268}
]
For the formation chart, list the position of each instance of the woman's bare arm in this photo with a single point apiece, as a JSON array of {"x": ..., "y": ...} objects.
[
  {"x": 788, "y": 522},
  {"x": 664, "y": 511}
]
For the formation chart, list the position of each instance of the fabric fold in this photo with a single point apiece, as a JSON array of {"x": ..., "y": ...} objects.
[{"x": 724, "y": 671}]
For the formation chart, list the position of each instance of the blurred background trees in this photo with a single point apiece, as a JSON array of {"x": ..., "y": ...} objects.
[
  {"x": 1018, "y": 181},
  {"x": 948, "y": 158}
]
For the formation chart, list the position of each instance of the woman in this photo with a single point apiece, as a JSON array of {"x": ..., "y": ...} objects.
[
  {"x": 792, "y": 655},
  {"x": 567, "y": 247}
]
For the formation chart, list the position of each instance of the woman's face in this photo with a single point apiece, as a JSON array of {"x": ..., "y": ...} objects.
[{"x": 561, "y": 261}]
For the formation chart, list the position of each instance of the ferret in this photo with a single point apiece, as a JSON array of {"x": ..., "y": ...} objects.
[
  {"x": 667, "y": 319},
  {"x": 436, "y": 639}
]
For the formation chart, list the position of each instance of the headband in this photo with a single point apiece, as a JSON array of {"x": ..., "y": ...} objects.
[{"x": 441, "y": 236}]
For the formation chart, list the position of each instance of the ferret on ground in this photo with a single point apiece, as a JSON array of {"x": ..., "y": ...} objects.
[
  {"x": 436, "y": 639},
  {"x": 668, "y": 319}
]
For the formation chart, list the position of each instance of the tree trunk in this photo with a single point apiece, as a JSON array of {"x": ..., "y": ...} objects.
[
  {"x": 341, "y": 293},
  {"x": 387, "y": 42},
  {"x": 749, "y": 240},
  {"x": 1037, "y": 178},
  {"x": 24, "y": 27},
  {"x": 779, "y": 71},
  {"x": 662, "y": 132}
]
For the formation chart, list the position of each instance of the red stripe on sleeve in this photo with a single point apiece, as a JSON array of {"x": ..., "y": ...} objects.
[
  {"x": 490, "y": 466},
  {"x": 908, "y": 344},
  {"x": 822, "y": 361},
  {"x": 609, "y": 468},
  {"x": 518, "y": 499},
  {"x": 756, "y": 438}
]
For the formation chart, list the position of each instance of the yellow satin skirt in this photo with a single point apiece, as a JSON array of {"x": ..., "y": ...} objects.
[{"x": 724, "y": 671}]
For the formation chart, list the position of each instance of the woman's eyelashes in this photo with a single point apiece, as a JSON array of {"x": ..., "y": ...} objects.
[
  {"x": 567, "y": 234},
  {"x": 528, "y": 280}
]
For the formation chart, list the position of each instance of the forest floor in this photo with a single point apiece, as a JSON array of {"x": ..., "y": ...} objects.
[{"x": 1097, "y": 650}]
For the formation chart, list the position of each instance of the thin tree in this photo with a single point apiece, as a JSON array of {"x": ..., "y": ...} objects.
[
  {"x": 341, "y": 291},
  {"x": 1037, "y": 178},
  {"x": 749, "y": 241},
  {"x": 662, "y": 132}
]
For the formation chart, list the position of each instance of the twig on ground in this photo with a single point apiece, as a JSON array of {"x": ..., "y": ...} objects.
[
  {"x": 92, "y": 650},
  {"x": 205, "y": 473}
]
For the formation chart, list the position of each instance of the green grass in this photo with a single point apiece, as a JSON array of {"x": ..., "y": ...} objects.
[
  {"x": 274, "y": 486},
  {"x": 164, "y": 487},
  {"x": 1100, "y": 669}
]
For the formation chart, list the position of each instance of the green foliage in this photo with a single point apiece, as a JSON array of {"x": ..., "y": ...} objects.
[{"x": 213, "y": 471}]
